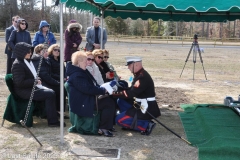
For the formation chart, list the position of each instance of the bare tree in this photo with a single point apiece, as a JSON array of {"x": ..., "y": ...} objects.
[{"x": 42, "y": 9}]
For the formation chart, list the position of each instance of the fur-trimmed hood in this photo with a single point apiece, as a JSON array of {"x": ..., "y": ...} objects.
[{"x": 74, "y": 25}]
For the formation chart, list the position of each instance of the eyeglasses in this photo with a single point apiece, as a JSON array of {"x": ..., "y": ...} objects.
[
  {"x": 99, "y": 57},
  {"x": 89, "y": 59},
  {"x": 106, "y": 57},
  {"x": 23, "y": 23},
  {"x": 56, "y": 50}
]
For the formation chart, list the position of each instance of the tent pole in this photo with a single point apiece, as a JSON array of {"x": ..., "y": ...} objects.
[
  {"x": 102, "y": 29},
  {"x": 61, "y": 74}
]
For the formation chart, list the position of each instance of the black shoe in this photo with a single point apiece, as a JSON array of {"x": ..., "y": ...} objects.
[
  {"x": 105, "y": 132},
  {"x": 113, "y": 129},
  {"x": 57, "y": 124},
  {"x": 150, "y": 127},
  {"x": 65, "y": 117}
]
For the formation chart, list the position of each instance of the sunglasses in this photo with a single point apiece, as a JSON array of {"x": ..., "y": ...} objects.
[
  {"x": 45, "y": 26},
  {"x": 15, "y": 21},
  {"x": 99, "y": 57},
  {"x": 56, "y": 50},
  {"x": 23, "y": 23},
  {"x": 89, "y": 59},
  {"x": 106, "y": 57}
]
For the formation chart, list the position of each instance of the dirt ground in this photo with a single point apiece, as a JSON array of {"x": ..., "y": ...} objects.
[{"x": 165, "y": 63}]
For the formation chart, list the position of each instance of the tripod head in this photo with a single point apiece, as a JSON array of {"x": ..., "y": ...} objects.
[{"x": 195, "y": 38}]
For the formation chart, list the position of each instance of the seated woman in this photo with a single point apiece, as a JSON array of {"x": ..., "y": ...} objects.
[
  {"x": 103, "y": 68},
  {"x": 110, "y": 66},
  {"x": 45, "y": 72},
  {"x": 93, "y": 68},
  {"x": 24, "y": 77},
  {"x": 122, "y": 83},
  {"x": 83, "y": 90},
  {"x": 54, "y": 59}
]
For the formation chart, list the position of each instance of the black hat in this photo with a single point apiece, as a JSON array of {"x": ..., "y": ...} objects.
[{"x": 21, "y": 49}]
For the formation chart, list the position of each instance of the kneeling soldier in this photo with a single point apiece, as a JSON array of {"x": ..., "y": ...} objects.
[{"x": 132, "y": 116}]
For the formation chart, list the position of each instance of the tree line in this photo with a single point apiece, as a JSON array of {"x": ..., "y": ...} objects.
[{"x": 36, "y": 10}]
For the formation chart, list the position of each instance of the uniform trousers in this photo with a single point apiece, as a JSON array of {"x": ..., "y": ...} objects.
[{"x": 125, "y": 121}]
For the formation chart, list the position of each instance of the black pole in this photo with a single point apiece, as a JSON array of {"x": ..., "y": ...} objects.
[
  {"x": 30, "y": 132},
  {"x": 165, "y": 126}
]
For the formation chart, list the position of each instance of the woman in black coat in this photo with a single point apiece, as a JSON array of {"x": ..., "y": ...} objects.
[
  {"x": 83, "y": 90},
  {"x": 54, "y": 59},
  {"x": 19, "y": 35},
  {"x": 24, "y": 77},
  {"x": 45, "y": 71}
]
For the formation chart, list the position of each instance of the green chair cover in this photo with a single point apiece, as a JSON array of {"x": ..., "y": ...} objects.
[
  {"x": 16, "y": 106},
  {"x": 83, "y": 125}
]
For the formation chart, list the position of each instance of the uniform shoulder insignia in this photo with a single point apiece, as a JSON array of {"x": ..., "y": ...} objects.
[{"x": 136, "y": 84}]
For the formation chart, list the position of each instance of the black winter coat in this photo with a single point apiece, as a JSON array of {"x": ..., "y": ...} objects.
[
  {"x": 103, "y": 68},
  {"x": 45, "y": 71},
  {"x": 23, "y": 79},
  {"x": 55, "y": 68},
  {"x": 18, "y": 36}
]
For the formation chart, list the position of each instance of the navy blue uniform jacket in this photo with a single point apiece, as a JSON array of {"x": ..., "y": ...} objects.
[{"x": 142, "y": 87}]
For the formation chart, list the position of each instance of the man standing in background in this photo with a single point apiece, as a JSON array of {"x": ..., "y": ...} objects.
[
  {"x": 8, "y": 50},
  {"x": 93, "y": 36}
]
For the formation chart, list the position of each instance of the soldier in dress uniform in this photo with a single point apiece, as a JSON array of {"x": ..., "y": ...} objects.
[{"x": 142, "y": 91}]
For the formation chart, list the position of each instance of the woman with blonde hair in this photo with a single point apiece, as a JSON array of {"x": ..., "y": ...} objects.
[
  {"x": 103, "y": 68},
  {"x": 83, "y": 92},
  {"x": 54, "y": 58},
  {"x": 46, "y": 72},
  {"x": 93, "y": 68}
]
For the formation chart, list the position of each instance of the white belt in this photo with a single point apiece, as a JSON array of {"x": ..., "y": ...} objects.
[{"x": 148, "y": 99}]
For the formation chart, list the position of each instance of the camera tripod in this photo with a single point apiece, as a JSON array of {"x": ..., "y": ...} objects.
[{"x": 195, "y": 48}]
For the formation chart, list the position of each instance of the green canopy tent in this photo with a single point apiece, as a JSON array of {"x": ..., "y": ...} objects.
[{"x": 175, "y": 10}]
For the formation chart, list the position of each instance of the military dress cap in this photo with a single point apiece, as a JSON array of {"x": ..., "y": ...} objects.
[{"x": 132, "y": 59}]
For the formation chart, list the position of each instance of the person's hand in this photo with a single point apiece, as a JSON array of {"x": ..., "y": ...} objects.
[
  {"x": 39, "y": 82},
  {"x": 108, "y": 75},
  {"x": 74, "y": 45},
  {"x": 96, "y": 46}
]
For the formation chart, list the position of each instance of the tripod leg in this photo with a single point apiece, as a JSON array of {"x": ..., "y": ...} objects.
[
  {"x": 199, "y": 52},
  {"x": 3, "y": 122},
  {"x": 186, "y": 60},
  {"x": 194, "y": 59}
]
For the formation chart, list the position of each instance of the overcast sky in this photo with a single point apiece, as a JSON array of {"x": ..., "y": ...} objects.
[{"x": 49, "y": 2}]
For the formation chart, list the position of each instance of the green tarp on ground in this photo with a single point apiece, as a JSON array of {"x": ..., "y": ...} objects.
[{"x": 214, "y": 129}]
